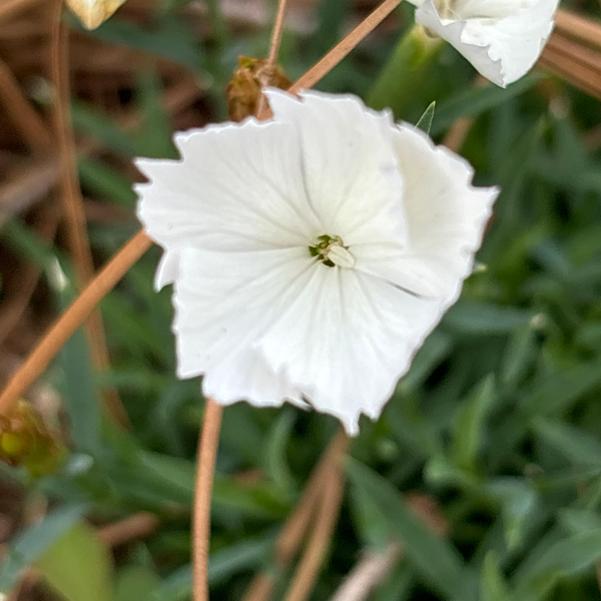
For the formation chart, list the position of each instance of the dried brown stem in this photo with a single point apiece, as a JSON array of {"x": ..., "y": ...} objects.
[
  {"x": 205, "y": 466},
  {"x": 579, "y": 27},
  {"x": 9, "y": 8},
  {"x": 14, "y": 306},
  {"x": 370, "y": 571},
  {"x": 319, "y": 540},
  {"x": 71, "y": 319},
  {"x": 274, "y": 48},
  {"x": 22, "y": 113},
  {"x": 31, "y": 181},
  {"x": 584, "y": 77},
  {"x": 293, "y": 531},
  {"x": 373, "y": 567},
  {"x": 73, "y": 209},
  {"x": 576, "y": 52},
  {"x": 276, "y": 34},
  {"x": 138, "y": 525},
  {"x": 344, "y": 47},
  {"x": 457, "y": 133}
]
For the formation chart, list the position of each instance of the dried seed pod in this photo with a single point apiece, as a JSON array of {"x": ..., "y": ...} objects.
[
  {"x": 93, "y": 13},
  {"x": 244, "y": 89},
  {"x": 26, "y": 440}
]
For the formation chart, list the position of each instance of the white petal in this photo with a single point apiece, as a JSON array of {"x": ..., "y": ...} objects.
[
  {"x": 351, "y": 175},
  {"x": 167, "y": 270},
  {"x": 237, "y": 187},
  {"x": 446, "y": 214},
  {"x": 246, "y": 376},
  {"x": 346, "y": 340},
  {"x": 502, "y": 39},
  {"x": 225, "y": 300},
  {"x": 352, "y": 333}
]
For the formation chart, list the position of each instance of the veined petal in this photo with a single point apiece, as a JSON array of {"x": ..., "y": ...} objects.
[
  {"x": 502, "y": 39},
  {"x": 346, "y": 340},
  {"x": 446, "y": 215},
  {"x": 225, "y": 300},
  {"x": 246, "y": 376},
  {"x": 236, "y": 187},
  {"x": 350, "y": 169}
]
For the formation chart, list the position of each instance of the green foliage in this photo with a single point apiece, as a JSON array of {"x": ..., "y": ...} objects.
[
  {"x": 78, "y": 566},
  {"x": 33, "y": 542},
  {"x": 435, "y": 559},
  {"x": 497, "y": 422}
]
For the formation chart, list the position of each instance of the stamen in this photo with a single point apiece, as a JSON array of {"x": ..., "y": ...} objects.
[{"x": 332, "y": 252}]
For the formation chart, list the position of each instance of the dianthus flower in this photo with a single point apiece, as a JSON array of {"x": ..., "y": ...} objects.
[
  {"x": 310, "y": 254},
  {"x": 502, "y": 39}
]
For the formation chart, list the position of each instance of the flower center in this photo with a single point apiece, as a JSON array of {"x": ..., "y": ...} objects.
[{"x": 331, "y": 251}]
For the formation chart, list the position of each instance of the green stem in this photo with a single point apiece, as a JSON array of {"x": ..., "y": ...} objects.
[{"x": 406, "y": 69}]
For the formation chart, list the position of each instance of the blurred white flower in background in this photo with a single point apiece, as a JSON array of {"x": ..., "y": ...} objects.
[
  {"x": 311, "y": 254},
  {"x": 93, "y": 13},
  {"x": 502, "y": 39}
]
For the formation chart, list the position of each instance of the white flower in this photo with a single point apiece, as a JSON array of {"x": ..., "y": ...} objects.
[
  {"x": 93, "y": 13},
  {"x": 311, "y": 254},
  {"x": 502, "y": 39}
]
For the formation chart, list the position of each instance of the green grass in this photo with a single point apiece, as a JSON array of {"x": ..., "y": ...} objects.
[{"x": 499, "y": 419}]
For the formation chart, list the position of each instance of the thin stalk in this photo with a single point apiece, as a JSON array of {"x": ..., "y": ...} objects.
[
  {"x": 276, "y": 34},
  {"x": 205, "y": 470},
  {"x": 72, "y": 200},
  {"x": 9, "y": 8},
  {"x": 291, "y": 536},
  {"x": 22, "y": 113},
  {"x": 72, "y": 318},
  {"x": 321, "y": 535},
  {"x": 274, "y": 48},
  {"x": 344, "y": 47}
]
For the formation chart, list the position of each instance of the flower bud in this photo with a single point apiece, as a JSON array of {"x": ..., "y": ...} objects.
[
  {"x": 25, "y": 440},
  {"x": 244, "y": 89},
  {"x": 93, "y": 13}
]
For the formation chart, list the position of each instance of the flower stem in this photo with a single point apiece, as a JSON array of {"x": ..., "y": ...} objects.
[
  {"x": 73, "y": 207},
  {"x": 77, "y": 313},
  {"x": 406, "y": 71},
  {"x": 276, "y": 34},
  {"x": 344, "y": 47},
  {"x": 293, "y": 532},
  {"x": 205, "y": 469},
  {"x": 274, "y": 48},
  {"x": 321, "y": 534}
]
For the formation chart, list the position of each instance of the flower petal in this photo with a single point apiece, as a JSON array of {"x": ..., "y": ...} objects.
[
  {"x": 446, "y": 215},
  {"x": 167, "y": 270},
  {"x": 246, "y": 376},
  {"x": 224, "y": 300},
  {"x": 346, "y": 340},
  {"x": 350, "y": 169},
  {"x": 237, "y": 187},
  {"x": 502, "y": 44}
]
